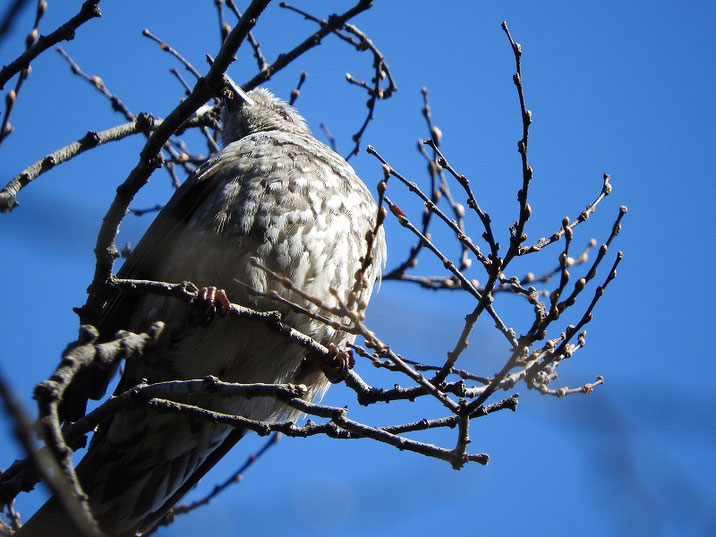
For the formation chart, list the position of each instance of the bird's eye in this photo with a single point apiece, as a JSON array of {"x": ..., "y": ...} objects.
[{"x": 285, "y": 115}]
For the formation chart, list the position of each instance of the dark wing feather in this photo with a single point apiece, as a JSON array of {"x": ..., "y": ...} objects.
[
  {"x": 152, "y": 248},
  {"x": 154, "y": 245},
  {"x": 222, "y": 449}
]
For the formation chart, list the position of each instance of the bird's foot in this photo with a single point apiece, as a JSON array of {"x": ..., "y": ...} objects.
[
  {"x": 211, "y": 301},
  {"x": 213, "y": 298},
  {"x": 337, "y": 364}
]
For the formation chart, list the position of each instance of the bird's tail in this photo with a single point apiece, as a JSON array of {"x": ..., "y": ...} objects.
[{"x": 52, "y": 520}]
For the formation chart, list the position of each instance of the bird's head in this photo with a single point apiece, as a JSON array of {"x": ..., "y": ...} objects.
[{"x": 257, "y": 111}]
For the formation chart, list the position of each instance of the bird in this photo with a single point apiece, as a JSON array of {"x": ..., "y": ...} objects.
[{"x": 273, "y": 197}]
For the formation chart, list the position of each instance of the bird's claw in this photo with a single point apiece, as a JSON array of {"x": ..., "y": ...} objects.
[
  {"x": 212, "y": 300},
  {"x": 337, "y": 364}
]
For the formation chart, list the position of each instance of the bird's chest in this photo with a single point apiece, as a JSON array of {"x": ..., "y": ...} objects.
[{"x": 305, "y": 226}]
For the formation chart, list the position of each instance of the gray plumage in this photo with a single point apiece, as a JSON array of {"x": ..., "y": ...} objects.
[{"x": 276, "y": 194}]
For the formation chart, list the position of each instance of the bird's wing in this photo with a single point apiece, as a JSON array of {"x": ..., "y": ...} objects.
[{"x": 159, "y": 239}]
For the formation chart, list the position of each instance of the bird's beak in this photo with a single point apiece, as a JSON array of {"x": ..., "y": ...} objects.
[{"x": 239, "y": 94}]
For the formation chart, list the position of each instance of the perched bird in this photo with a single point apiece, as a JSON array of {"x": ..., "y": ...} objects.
[{"x": 273, "y": 194}]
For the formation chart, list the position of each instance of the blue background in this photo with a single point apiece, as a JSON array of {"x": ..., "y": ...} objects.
[{"x": 620, "y": 87}]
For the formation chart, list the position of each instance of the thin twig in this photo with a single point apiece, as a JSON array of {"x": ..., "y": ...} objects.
[
  {"x": 65, "y": 32},
  {"x": 517, "y": 236},
  {"x": 255, "y": 45},
  {"x": 11, "y": 96},
  {"x": 171, "y": 50},
  {"x": 297, "y": 90},
  {"x": 331, "y": 139}
]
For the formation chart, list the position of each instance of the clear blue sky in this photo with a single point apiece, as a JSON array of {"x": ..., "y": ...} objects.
[{"x": 618, "y": 87}]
